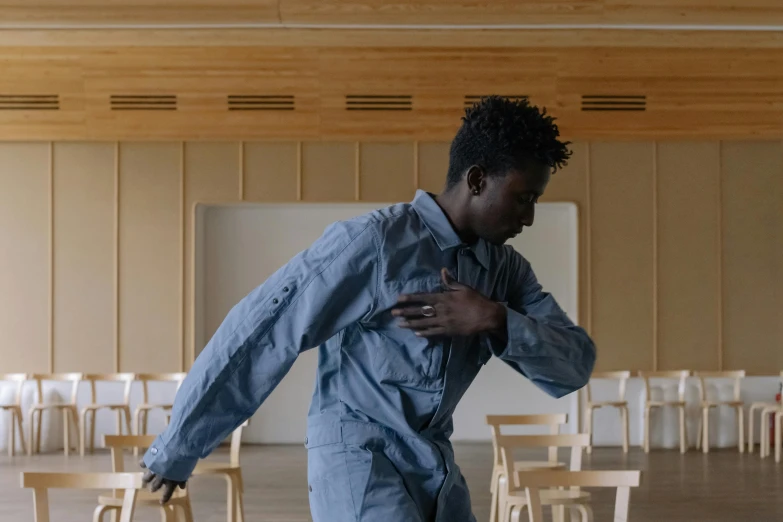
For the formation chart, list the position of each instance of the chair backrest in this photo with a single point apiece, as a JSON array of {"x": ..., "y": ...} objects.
[
  {"x": 737, "y": 376},
  {"x": 40, "y": 378},
  {"x": 19, "y": 379},
  {"x": 508, "y": 443},
  {"x": 680, "y": 375},
  {"x": 622, "y": 377},
  {"x": 94, "y": 378},
  {"x": 117, "y": 443},
  {"x": 533, "y": 481},
  {"x": 40, "y": 483},
  {"x": 554, "y": 421},
  {"x": 146, "y": 378}
]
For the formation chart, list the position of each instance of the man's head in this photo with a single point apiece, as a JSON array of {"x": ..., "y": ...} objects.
[{"x": 499, "y": 165}]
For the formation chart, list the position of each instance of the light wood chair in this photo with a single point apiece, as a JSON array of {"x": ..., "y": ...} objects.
[
  {"x": 69, "y": 410},
  {"x": 113, "y": 501},
  {"x": 142, "y": 410},
  {"x": 14, "y": 410},
  {"x": 765, "y": 409},
  {"x": 87, "y": 415},
  {"x": 778, "y": 419},
  {"x": 649, "y": 404},
  {"x": 232, "y": 471},
  {"x": 533, "y": 481},
  {"x": 559, "y": 499},
  {"x": 703, "y": 438},
  {"x": 621, "y": 404},
  {"x": 41, "y": 483},
  {"x": 495, "y": 423}
]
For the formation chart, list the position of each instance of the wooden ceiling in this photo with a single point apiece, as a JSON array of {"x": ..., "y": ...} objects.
[{"x": 383, "y": 12}]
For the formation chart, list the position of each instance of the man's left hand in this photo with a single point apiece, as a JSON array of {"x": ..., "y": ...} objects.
[{"x": 459, "y": 311}]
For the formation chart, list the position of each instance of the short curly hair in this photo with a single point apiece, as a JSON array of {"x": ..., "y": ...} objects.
[{"x": 498, "y": 133}]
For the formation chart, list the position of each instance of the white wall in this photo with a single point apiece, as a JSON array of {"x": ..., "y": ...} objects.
[{"x": 243, "y": 245}]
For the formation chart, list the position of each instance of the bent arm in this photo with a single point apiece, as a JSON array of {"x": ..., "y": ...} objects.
[
  {"x": 539, "y": 340},
  {"x": 318, "y": 293}
]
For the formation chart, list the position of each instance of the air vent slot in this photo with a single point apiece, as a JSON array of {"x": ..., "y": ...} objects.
[
  {"x": 260, "y": 102},
  {"x": 472, "y": 99},
  {"x": 143, "y": 102},
  {"x": 378, "y": 102},
  {"x": 29, "y": 102},
  {"x": 611, "y": 102}
]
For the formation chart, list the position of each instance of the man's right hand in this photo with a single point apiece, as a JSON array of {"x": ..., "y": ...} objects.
[{"x": 157, "y": 482}]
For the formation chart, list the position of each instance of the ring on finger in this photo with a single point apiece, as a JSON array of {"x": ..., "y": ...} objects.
[{"x": 428, "y": 311}]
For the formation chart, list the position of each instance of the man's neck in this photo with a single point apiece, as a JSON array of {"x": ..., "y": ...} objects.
[{"x": 454, "y": 207}]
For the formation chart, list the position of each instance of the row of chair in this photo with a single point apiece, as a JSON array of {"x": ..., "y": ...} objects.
[
  {"x": 82, "y": 421},
  {"x": 519, "y": 485},
  {"x": 767, "y": 409}
]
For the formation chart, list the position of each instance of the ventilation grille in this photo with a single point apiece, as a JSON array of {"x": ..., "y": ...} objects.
[
  {"x": 260, "y": 102},
  {"x": 360, "y": 102},
  {"x": 143, "y": 102},
  {"x": 29, "y": 102},
  {"x": 472, "y": 99},
  {"x": 609, "y": 102}
]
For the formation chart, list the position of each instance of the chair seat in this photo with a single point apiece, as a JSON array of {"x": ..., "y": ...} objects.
[
  {"x": 553, "y": 497},
  {"x": 154, "y": 406},
  {"x": 710, "y": 404},
  {"x": 60, "y": 405},
  {"x": 214, "y": 468},
  {"x": 665, "y": 403},
  {"x": 612, "y": 404},
  {"x": 10, "y": 407}
]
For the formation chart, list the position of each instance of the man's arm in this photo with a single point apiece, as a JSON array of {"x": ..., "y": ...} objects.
[
  {"x": 539, "y": 340},
  {"x": 318, "y": 293}
]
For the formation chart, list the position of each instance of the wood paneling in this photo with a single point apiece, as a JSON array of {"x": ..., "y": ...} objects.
[
  {"x": 386, "y": 172},
  {"x": 688, "y": 176},
  {"x": 572, "y": 184},
  {"x": 329, "y": 172},
  {"x": 433, "y": 165},
  {"x": 712, "y": 94},
  {"x": 150, "y": 256},
  {"x": 621, "y": 231},
  {"x": 752, "y": 226},
  {"x": 270, "y": 171},
  {"x": 24, "y": 262},
  {"x": 211, "y": 174},
  {"x": 84, "y": 235}
]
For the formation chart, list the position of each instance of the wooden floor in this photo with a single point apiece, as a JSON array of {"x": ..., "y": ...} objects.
[{"x": 723, "y": 486}]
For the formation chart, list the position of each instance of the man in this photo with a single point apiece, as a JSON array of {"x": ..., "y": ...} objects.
[{"x": 406, "y": 305}]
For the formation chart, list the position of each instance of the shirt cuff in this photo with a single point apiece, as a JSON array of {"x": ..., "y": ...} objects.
[
  {"x": 167, "y": 463},
  {"x": 517, "y": 333}
]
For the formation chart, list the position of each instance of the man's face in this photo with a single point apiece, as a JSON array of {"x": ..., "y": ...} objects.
[{"x": 507, "y": 203}]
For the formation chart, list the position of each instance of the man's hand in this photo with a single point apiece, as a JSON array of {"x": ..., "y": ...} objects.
[
  {"x": 156, "y": 482},
  {"x": 459, "y": 311}
]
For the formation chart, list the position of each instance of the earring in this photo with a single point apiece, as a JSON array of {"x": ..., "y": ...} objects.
[{"x": 475, "y": 192}]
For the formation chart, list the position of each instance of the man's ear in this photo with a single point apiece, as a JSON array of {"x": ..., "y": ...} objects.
[{"x": 476, "y": 180}]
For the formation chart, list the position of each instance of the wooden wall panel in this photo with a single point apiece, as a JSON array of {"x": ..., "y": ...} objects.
[
  {"x": 84, "y": 245},
  {"x": 329, "y": 171},
  {"x": 621, "y": 221},
  {"x": 571, "y": 184},
  {"x": 752, "y": 225},
  {"x": 433, "y": 165},
  {"x": 386, "y": 172},
  {"x": 688, "y": 176},
  {"x": 25, "y": 258},
  {"x": 212, "y": 174},
  {"x": 150, "y": 256},
  {"x": 271, "y": 171}
]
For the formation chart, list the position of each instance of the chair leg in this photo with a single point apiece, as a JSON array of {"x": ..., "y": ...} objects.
[
  {"x": 18, "y": 418},
  {"x": 750, "y": 429},
  {"x": 778, "y": 438},
  {"x": 705, "y": 420},
  {"x": 82, "y": 427},
  {"x": 97, "y": 515},
  {"x": 38, "y": 432},
  {"x": 740, "y": 429},
  {"x": 683, "y": 434},
  {"x": 624, "y": 418},
  {"x": 589, "y": 428},
  {"x": 646, "y": 429},
  {"x": 11, "y": 433},
  {"x": 558, "y": 513},
  {"x": 30, "y": 433},
  {"x": 585, "y": 511},
  {"x": 127, "y": 413},
  {"x": 66, "y": 432},
  {"x": 493, "y": 506}
]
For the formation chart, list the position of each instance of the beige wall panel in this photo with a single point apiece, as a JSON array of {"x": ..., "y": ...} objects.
[
  {"x": 433, "y": 166},
  {"x": 24, "y": 262},
  {"x": 752, "y": 226},
  {"x": 270, "y": 171},
  {"x": 688, "y": 255},
  {"x": 211, "y": 175},
  {"x": 386, "y": 172},
  {"x": 328, "y": 171},
  {"x": 571, "y": 184},
  {"x": 84, "y": 226},
  {"x": 150, "y": 257},
  {"x": 621, "y": 209}
]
